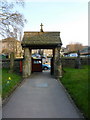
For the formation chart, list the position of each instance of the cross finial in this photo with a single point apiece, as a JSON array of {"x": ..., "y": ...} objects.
[{"x": 41, "y": 27}]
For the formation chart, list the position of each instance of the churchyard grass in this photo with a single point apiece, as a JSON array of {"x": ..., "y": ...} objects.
[
  {"x": 9, "y": 81},
  {"x": 76, "y": 83},
  {"x": 0, "y": 82}
]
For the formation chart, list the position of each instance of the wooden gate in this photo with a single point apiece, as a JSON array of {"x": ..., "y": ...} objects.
[{"x": 36, "y": 65}]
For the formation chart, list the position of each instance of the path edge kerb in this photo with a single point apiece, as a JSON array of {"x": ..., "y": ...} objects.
[{"x": 71, "y": 99}]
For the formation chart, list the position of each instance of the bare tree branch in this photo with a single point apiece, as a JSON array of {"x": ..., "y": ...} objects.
[
  {"x": 11, "y": 21},
  {"x": 74, "y": 47}
]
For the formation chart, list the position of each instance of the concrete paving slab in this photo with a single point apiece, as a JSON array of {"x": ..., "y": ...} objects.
[{"x": 40, "y": 96}]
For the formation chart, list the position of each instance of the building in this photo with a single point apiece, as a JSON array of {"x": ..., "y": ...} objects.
[
  {"x": 11, "y": 45},
  {"x": 41, "y": 40},
  {"x": 45, "y": 52},
  {"x": 71, "y": 50},
  {"x": 85, "y": 51}
]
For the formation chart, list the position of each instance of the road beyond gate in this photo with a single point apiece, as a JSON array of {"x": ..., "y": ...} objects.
[{"x": 40, "y": 96}]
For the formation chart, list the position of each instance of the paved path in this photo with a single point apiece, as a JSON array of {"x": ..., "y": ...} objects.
[{"x": 40, "y": 96}]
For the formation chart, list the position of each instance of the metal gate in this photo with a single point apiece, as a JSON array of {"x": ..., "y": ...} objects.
[{"x": 36, "y": 65}]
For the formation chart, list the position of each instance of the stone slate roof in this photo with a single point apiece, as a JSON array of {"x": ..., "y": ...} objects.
[{"x": 41, "y": 38}]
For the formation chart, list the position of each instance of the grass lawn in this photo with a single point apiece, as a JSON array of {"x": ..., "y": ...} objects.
[
  {"x": 9, "y": 81},
  {"x": 0, "y": 82},
  {"x": 76, "y": 83}
]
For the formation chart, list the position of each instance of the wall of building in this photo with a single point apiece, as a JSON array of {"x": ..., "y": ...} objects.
[
  {"x": 11, "y": 45},
  {"x": 46, "y": 52}
]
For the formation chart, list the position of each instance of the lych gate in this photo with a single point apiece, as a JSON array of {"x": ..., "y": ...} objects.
[{"x": 42, "y": 40}]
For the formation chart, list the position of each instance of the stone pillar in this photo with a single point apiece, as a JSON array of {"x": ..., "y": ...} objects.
[
  {"x": 27, "y": 63},
  {"x": 57, "y": 63}
]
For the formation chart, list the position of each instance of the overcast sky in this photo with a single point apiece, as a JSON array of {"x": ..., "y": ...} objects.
[{"x": 70, "y": 17}]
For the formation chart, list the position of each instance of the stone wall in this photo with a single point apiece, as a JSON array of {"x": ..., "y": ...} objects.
[
  {"x": 67, "y": 62},
  {"x": 70, "y": 62},
  {"x": 6, "y": 64}
]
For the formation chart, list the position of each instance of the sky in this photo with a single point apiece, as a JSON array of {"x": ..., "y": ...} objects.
[{"x": 69, "y": 17}]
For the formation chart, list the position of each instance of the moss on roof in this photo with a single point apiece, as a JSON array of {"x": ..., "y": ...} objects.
[{"x": 41, "y": 38}]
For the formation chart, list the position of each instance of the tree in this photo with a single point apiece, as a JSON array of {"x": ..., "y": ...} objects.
[
  {"x": 11, "y": 21},
  {"x": 73, "y": 47}
]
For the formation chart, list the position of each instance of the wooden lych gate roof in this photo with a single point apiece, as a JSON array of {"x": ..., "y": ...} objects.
[{"x": 41, "y": 39}]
